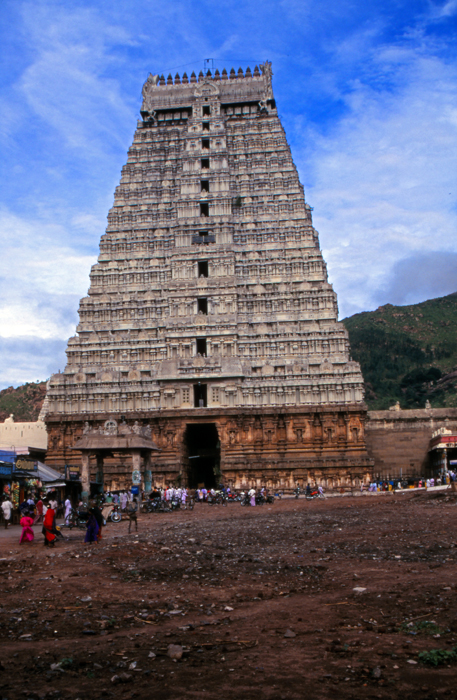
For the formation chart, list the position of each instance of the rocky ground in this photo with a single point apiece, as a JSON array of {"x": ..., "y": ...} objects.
[{"x": 342, "y": 598}]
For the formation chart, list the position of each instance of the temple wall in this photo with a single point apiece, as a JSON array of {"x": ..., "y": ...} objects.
[
  {"x": 399, "y": 440},
  {"x": 262, "y": 447},
  {"x": 275, "y": 447}
]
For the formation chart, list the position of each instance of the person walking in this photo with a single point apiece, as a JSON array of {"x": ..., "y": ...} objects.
[
  {"x": 67, "y": 510},
  {"x": 49, "y": 528},
  {"x": 27, "y": 532},
  {"x": 7, "y": 509},
  {"x": 92, "y": 528},
  {"x": 132, "y": 510},
  {"x": 123, "y": 499},
  {"x": 23, "y": 507},
  {"x": 100, "y": 520},
  {"x": 39, "y": 512}
]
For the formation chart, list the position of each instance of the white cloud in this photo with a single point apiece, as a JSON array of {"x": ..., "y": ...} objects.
[
  {"x": 447, "y": 10},
  {"x": 384, "y": 180},
  {"x": 41, "y": 279},
  {"x": 66, "y": 84}
]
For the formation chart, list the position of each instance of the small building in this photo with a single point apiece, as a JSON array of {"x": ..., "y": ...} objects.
[
  {"x": 24, "y": 438},
  {"x": 411, "y": 443},
  {"x": 443, "y": 452}
]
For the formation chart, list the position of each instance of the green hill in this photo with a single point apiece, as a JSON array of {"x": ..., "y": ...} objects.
[
  {"x": 407, "y": 353},
  {"x": 25, "y": 401}
]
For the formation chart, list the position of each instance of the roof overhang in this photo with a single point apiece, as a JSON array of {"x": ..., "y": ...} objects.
[{"x": 101, "y": 443}]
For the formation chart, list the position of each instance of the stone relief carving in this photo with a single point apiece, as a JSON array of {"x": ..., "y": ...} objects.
[
  {"x": 267, "y": 72},
  {"x": 151, "y": 81},
  {"x": 206, "y": 88}
]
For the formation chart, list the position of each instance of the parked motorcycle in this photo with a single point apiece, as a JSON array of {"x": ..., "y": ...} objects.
[
  {"x": 112, "y": 512},
  {"x": 244, "y": 499},
  {"x": 218, "y": 498}
]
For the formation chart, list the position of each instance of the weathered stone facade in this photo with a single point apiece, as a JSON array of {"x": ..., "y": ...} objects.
[
  {"x": 210, "y": 305},
  {"x": 399, "y": 440}
]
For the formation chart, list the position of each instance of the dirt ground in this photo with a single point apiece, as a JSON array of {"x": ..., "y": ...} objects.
[{"x": 320, "y": 599}]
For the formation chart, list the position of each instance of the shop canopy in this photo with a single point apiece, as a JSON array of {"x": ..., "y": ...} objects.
[{"x": 42, "y": 472}]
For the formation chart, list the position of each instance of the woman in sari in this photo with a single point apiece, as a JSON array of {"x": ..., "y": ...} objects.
[
  {"x": 27, "y": 532},
  {"x": 92, "y": 528},
  {"x": 99, "y": 518},
  {"x": 49, "y": 528}
]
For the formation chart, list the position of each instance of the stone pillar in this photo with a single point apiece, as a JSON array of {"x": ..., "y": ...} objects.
[
  {"x": 85, "y": 476},
  {"x": 147, "y": 473},
  {"x": 443, "y": 466},
  {"x": 100, "y": 475},
  {"x": 136, "y": 460},
  {"x": 136, "y": 465}
]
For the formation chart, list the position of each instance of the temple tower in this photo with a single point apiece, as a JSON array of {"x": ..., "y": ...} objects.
[{"x": 209, "y": 323}]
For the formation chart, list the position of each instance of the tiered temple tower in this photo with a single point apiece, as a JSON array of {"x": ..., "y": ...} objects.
[{"x": 210, "y": 326}]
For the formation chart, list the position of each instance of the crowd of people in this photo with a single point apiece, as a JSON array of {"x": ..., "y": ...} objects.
[
  {"x": 32, "y": 513},
  {"x": 44, "y": 511},
  {"x": 30, "y": 510},
  {"x": 448, "y": 478}
]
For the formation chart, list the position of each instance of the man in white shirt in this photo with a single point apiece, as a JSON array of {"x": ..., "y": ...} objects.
[
  {"x": 7, "y": 509},
  {"x": 67, "y": 510},
  {"x": 123, "y": 499}
]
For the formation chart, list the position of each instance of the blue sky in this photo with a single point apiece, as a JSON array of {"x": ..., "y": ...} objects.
[{"x": 367, "y": 93}]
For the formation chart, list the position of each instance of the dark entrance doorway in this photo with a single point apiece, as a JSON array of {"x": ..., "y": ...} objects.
[{"x": 203, "y": 448}]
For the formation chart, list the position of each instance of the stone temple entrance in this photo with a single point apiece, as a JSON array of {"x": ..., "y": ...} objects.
[
  {"x": 203, "y": 447},
  {"x": 111, "y": 439}
]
